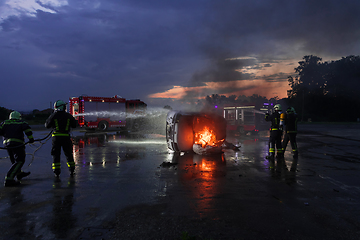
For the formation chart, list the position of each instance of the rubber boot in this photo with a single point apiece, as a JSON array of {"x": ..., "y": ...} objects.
[
  {"x": 280, "y": 156},
  {"x": 72, "y": 171},
  {"x": 11, "y": 183},
  {"x": 21, "y": 175},
  {"x": 270, "y": 157},
  {"x": 57, "y": 173}
]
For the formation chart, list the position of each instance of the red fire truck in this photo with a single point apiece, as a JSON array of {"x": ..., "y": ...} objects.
[
  {"x": 245, "y": 118},
  {"x": 102, "y": 113}
]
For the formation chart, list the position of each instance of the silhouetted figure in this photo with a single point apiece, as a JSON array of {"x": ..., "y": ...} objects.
[
  {"x": 290, "y": 123},
  {"x": 276, "y": 119},
  {"x": 61, "y": 122},
  {"x": 13, "y": 131}
]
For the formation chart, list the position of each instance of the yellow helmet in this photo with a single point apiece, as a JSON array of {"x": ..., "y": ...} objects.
[
  {"x": 15, "y": 115},
  {"x": 277, "y": 107}
]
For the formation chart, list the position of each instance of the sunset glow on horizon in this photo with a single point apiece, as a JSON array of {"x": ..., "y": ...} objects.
[{"x": 267, "y": 80}]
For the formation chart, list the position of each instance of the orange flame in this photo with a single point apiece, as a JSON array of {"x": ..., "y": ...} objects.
[{"x": 207, "y": 137}]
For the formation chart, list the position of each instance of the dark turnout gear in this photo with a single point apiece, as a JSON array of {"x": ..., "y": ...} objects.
[
  {"x": 61, "y": 122},
  {"x": 290, "y": 123},
  {"x": 13, "y": 131},
  {"x": 276, "y": 120}
]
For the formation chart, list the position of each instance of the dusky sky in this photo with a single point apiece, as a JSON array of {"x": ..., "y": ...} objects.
[{"x": 165, "y": 52}]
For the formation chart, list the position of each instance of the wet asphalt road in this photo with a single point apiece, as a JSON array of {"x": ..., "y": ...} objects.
[{"x": 315, "y": 197}]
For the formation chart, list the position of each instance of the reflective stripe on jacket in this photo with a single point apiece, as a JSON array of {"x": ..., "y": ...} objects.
[
  {"x": 13, "y": 131},
  {"x": 275, "y": 121},
  {"x": 61, "y": 122}
]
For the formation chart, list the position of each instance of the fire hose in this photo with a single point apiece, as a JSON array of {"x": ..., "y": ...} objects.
[{"x": 35, "y": 140}]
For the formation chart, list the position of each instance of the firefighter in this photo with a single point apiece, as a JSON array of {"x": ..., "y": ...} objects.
[
  {"x": 13, "y": 131},
  {"x": 277, "y": 121},
  {"x": 61, "y": 122},
  {"x": 290, "y": 123}
]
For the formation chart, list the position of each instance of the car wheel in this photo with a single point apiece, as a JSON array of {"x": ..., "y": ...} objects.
[
  {"x": 103, "y": 125},
  {"x": 241, "y": 130}
]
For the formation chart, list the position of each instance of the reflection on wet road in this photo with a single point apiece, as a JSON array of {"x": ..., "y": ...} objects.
[{"x": 114, "y": 171}]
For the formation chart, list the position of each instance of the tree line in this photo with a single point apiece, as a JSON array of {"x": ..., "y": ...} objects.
[
  {"x": 33, "y": 117},
  {"x": 326, "y": 91},
  {"x": 320, "y": 91},
  {"x": 221, "y": 100}
]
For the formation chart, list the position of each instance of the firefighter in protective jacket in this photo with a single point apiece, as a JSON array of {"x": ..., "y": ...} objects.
[
  {"x": 277, "y": 121},
  {"x": 61, "y": 122},
  {"x": 290, "y": 122},
  {"x": 13, "y": 131}
]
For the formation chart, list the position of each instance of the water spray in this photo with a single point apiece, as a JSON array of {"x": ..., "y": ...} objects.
[{"x": 154, "y": 112}]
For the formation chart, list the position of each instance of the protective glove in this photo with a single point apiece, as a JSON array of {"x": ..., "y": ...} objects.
[{"x": 31, "y": 140}]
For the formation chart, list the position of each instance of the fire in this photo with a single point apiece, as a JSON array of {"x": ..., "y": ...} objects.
[{"x": 207, "y": 137}]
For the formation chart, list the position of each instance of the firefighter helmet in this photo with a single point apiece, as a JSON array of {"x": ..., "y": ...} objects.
[
  {"x": 277, "y": 107},
  {"x": 60, "y": 105},
  {"x": 15, "y": 115},
  {"x": 290, "y": 110}
]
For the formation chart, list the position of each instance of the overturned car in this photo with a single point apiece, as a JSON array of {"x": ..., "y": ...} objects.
[{"x": 203, "y": 133}]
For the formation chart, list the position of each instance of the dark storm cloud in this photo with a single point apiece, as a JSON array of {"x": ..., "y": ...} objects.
[
  {"x": 232, "y": 90},
  {"x": 278, "y": 77},
  {"x": 137, "y": 48},
  {"x": 318, "y": 24},
  {"x": 111, "y": 48},
  {"x": 266, "y": 28},
  {"x": 222, "y": 71}
]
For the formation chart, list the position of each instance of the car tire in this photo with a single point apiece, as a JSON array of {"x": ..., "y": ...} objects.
[{"x": 241, "y": 130}]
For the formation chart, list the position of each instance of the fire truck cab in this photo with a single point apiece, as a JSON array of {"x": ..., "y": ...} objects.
[{"x": 102, "y": 113}]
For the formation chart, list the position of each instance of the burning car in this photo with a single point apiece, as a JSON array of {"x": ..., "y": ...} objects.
[{"x": 203, "y": 133}]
